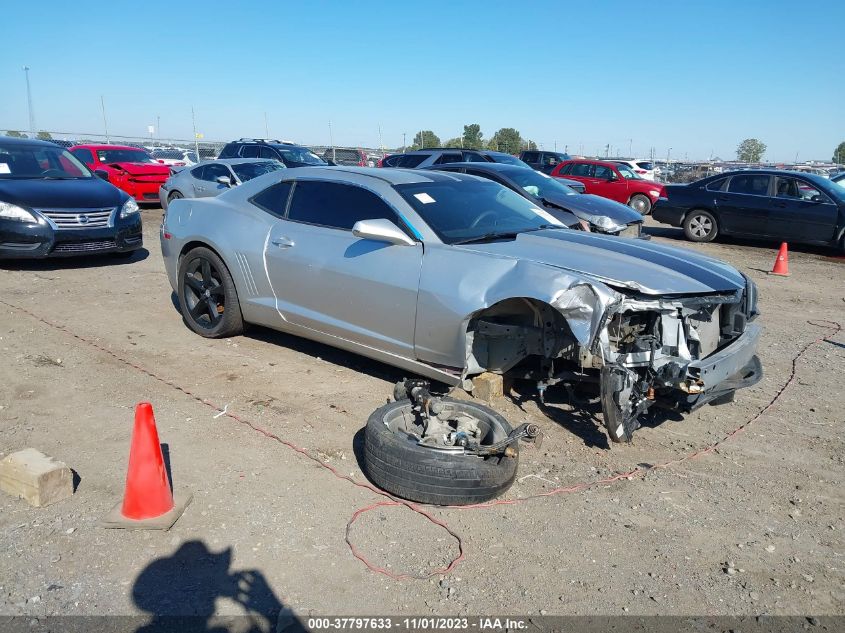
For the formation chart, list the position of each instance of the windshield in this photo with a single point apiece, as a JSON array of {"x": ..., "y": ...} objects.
[
  {"x": 465, "y": 210},
  {"x": 248, "y": 171},
  {"x": 168, "y": 153},
  {"x": 300, "y": 155},
  {"x": 507, "y": 159},
  {"x": 540, "y": 185},
  {"x": 628, "y": 173},
  {"x": 123, "y": 156},
  {"x": 35, "y": 161}
]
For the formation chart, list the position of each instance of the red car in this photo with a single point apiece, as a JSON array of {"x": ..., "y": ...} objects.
[
  {"x": 128, "y": 168},
  {"x": 614, "y": 181}
]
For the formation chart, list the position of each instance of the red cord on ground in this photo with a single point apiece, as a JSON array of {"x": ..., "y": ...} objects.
[{"x": 391, "y": 501}]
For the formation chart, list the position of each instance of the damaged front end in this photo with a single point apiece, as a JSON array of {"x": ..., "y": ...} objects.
[{"x": 634, "y": 352}]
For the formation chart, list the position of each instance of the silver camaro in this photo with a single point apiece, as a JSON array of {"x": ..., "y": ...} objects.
[
  {"x": 448, "y": 275},
  {"x": 213, "y": 177}
]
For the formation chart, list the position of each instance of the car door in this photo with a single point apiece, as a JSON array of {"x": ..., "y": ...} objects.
[
  {"x": 326, "y": 279},
  {"x": 206, "y": 185},
  {"x": 607, "y": 182},
  {"x": 744, "y": 206},
  {"x": 800, "y": 211}
]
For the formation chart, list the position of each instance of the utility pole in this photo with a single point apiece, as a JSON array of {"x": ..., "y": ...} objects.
[
  {"x": 630, "y": 148},
  {"x": 158, "y": 126},
  {"x": 404, "y": 144},
  {"x": 196, "y": 138},
  {"x": 331, "y": 142},
  {"x": 29, "y": 101},
  {"x": 380, "y": 142},
  {"x": 266, "y": 127},
  {"x": 105, "y": 123},
  {"x": 668, "y": 152}
]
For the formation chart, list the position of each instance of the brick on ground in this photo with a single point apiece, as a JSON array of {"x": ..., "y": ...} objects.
[{"x": 31, "y": 475}]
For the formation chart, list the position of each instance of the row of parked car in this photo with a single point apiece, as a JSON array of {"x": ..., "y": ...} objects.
[{"x": 609, "y": 197}]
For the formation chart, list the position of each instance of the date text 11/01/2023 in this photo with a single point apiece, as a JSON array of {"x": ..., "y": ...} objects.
[{"x": 424, "y": 623}]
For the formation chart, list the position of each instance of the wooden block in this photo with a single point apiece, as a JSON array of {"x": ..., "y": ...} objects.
[
  {"x": 30, "y": 474},
  {"x": 487, "y": 386}
]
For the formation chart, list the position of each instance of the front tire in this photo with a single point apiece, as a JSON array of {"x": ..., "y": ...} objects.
[
  {"x": 640, "y": 203},
  {"x": 396, "y": 463},
  {"x": 207, "y": 295},
  {"x": 700, "y": 226}
]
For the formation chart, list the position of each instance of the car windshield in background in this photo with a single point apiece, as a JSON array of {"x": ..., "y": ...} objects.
[
  {"x": 507, "y": 159},
  {"x": 123, "y": 156},
  {"x": 300, "y": 155},
  {"x": 628, "y": 173},
  {"x": 540, "y": 185},
  {"x": 168, "y": 153},
  {"x": 35, "y": 161},
  {"x": 248, "y": 171},
  {"x": 644, "y": 164},
  {"x": 469, "y": 210}
]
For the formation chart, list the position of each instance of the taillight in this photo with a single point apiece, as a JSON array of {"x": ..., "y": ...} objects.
[{"x": 640, "y": 171}]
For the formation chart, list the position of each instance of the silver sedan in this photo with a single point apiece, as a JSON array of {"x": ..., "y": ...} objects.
[
  {"x": 212, "y": 177},
  {"x": 449, "y": 275}
]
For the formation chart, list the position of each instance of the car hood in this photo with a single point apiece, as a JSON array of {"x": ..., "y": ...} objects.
[
  {"x": 142, "y": 169},
  {"x": 86, "y": 193},
  {"x": 585, "y": 206},
  {"x": 652, "y": 269}
]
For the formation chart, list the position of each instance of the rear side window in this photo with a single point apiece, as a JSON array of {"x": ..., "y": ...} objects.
[
  {"x": 249, "y": 151},
  {"x": 448, "y": 158},
  {"x": 274, "y": 200},
  {"x": 717, "y": 185},
  {"x": 474, "y": 157},
  {"x": 409, "y": 161},
  {"x": 644, "y": 164},
  {"x": 750, "y": 184},
  {"x": 336, "y": 205},
  {"x": 84, "y": 155},
  {"x": 581, "y": 169},
  {"x": 197, "y": 172}
]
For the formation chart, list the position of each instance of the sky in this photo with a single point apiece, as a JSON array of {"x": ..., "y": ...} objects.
[{"x": 689, "y": 79}]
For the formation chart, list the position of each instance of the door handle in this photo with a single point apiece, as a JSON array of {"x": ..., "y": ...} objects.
[{"x": 282, "y": 242}]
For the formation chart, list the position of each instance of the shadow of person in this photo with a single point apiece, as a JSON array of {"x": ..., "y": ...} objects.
[{"x": 180, "y": 592}]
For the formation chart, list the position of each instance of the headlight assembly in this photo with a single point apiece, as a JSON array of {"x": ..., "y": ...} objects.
[
  {"x": 130, "y": 207},
  {"x": 10, "y": 211}
]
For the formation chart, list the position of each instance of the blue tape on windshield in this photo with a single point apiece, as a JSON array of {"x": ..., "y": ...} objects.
[{"x": 411, "y": 226}]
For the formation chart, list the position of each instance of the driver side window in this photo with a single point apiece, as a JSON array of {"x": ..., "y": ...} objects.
[
  {"x": 212, "y": 172},
  {"x": 606, "y": 173},
  {"x": 336, "y": 205}
]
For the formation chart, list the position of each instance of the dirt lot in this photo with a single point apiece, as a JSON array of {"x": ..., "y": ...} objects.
[{"x": 266, "y": 528}]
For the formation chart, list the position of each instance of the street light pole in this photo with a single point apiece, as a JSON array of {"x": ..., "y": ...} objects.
[
  {"x": 105, "y": 123},
  {"x": 29, "y": 101}
]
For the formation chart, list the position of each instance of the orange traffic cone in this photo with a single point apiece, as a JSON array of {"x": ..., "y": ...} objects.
[
  {"x": 781, "y": 266},
  {"x": 148, "y": 502}
]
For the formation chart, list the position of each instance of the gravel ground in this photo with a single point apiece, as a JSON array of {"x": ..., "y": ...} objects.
[{"x": 755, "y": 527}]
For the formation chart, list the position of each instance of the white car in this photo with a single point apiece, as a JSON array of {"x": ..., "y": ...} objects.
[
  {"x": 174, "y": 157},
  {"x": 642, "y": 167}
]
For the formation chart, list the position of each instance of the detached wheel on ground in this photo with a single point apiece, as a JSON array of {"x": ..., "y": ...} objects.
[
  {"x": 396, "y": 462},
  {"x": 207, "y": 295},
  {"x": 701, "y": 226},
  {"x": 640, "y": 204}
]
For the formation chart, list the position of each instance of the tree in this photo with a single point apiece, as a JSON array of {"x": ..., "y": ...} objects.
[
  {"x": 44, "y": 135},
  {"x": 15, "y": 134},
  {"x": 426, "y": 138},
  {"x": 472, "y": 136},
  {"x": 453, "y": 142},
  {"x": 750, "y": 150},
  {"x": 506, "y": 140},
  {"x": 839, "y": 153}
]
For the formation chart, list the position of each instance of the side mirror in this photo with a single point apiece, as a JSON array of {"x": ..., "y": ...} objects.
[
  {"x": 102, "y": 173},
  {"x": 381, "y": 230},
  {"x": 224, "y": 180}
]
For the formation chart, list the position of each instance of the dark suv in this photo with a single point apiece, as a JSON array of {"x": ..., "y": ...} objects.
[
  {"x": 288, "y": 153},
  {"x": 434, "y": 156},
  {"x": 542, "y": 160}
]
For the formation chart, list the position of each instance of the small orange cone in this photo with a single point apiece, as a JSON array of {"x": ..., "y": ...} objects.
[
  {"x": 148, "y": 502},
  {"x": 781, "y": 266}
]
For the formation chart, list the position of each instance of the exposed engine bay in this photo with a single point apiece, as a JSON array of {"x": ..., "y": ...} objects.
[{"x": 675, "y": 352}]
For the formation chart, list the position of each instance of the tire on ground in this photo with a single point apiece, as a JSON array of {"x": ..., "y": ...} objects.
[
  {"x": 430, "y": 476},
  {"x": 232, "y": 323},
  {"x": 695, "y": 225},
  {"x": 641, "y": 201}
]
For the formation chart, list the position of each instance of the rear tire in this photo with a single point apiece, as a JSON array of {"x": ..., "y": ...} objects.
[
  {"x": 403, "y": 468},
  {"x": 640, "y": 204},
  {"x": 700, "y": 226},
  {"x": 174, "y": 196},
  {"x": 207, "y": 295}
]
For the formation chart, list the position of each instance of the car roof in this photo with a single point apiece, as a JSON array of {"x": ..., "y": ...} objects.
[
  {"x": 13, "y": 140},
  {"x": 394, "y": 176},
  {"x": 494, "y": 167},
  {"x": 97, "y": 146},
  {"x": 593, "y": 161},
  {"x": 234, "y": 161}
]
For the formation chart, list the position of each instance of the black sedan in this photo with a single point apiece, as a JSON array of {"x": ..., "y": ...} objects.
[
  {"x": 764, "y": 204},
  {"x": 595, "y": 213},
  {"x": 51, "y": 205}
]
